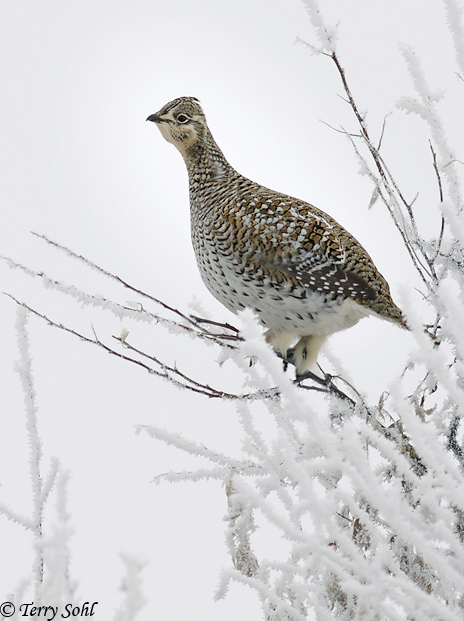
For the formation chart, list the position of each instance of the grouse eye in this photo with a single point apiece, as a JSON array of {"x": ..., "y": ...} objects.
[{"x": 182, "y": 118}]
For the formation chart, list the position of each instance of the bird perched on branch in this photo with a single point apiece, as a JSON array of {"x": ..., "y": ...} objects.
[{"x": 303, "y": 274}]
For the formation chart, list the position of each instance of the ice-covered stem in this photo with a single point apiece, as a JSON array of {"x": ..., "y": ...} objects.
[
  {"x": 453, "y": 442},
  {"x": 241, "y": 524},
  {"x": 398, "y": 207},
  {"x": 426, "y": 107},
  {"x": 134, "y": 600},
  {"x": 454, "y": 20},
  {"x": 24, "y": 370},
  {"x": 187, "y": 325},
  {"x": 326, "y": 35},
  {"x": 390, "y": 193},
  {"x": 120, "y": 281},
  {"x": 441, "y": 196},
  {"x": 169, "y": 373},
  {"x": 58, "y": 586}
]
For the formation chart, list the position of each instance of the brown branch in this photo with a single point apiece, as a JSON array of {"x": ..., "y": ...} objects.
[
  {"x": 440, "y": 191},
  {"x": 453, "y": 443},
  {"x": 383, "y": 131},
  {"x": 119, "y": 280},
  {"x": 193, "y": 328},
  {"x": 175, "y": 371},
  {"x": 166, "y": 371},
  {"x": 437, "y": 172},
  {"x": 341, "y": 130},
  {"x": 383, "y": 187},
  {"x": 226, "y": 326},
  {"x": 323, "y": 384},
  {"x": 388, "y": 183}
]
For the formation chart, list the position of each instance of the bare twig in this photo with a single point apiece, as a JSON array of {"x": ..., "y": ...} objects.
[
  {"x": 383, "y": 131},
  {"x": 166, "y": 372},
  {"x": 118, "y": 309},
  {"x": 325, "y": 385},
  {"x": 226, "y": 326},
  {"x": 386, "y": 192},
  {"x": 119, "y": 280},
  {"x": 437, "y": 172},
  {"x": 389, "y": 186},
  {"x": 341, "y": 130},
  {"x": 440, "y": 190},
  {"x": 453, "y": 444},
  {"x": 174, "y": 371}
]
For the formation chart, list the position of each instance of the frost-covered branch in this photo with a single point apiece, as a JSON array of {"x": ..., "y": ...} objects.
[
  {"x": 240, "y": 528},
  {"x": 137, "y": 312},
  {"x": 24, "y": 370},
  {"x": 169, "y": 373},
  {"x": 59, "y": 587},
  {"x": 134, "y": 600},
  {"x": 49, "y": 574}
]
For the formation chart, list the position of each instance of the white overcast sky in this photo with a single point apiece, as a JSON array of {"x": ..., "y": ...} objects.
[{"x": 79, "y": 164}]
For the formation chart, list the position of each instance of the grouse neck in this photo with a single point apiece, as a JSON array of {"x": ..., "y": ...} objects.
[{"x": 204, "y": 158}]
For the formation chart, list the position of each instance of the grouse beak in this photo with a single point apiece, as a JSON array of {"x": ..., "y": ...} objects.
[{"x": 155, "y": 118}]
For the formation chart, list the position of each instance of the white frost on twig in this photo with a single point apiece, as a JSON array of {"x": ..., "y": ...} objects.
[
  {"x": 327, "y": 35},
  {"x": 134, "y": 600}
]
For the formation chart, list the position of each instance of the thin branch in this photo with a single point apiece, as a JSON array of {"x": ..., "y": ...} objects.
[
  {"x": 24, "y": 369},
  {"x": 17, "y": 518},
  {"x": 49, "y": 481},
  {"x": 440, "y": 191},
  {"x": 388, "y": 183},
  {"x": 437, "y": 172},
  {"x": 118, "y": 279},
  {"x": 453, "y": 444},
  {"x": 383, "y": 188},
  {"x": 121, "y": 309},
  {"x": 166, "y": 371},
  {"x": 382, "y": 131},
  {"x": 226, "y": 326},
  {"x": 175, "y": 372},
  {"x": 325, "y": 385},
  {"x": 341, "y": 130}
]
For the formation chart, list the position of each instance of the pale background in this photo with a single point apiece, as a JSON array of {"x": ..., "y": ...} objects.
[{"x": 80, "y": 164}]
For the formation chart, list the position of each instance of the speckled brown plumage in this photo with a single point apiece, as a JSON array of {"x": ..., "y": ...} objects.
[{"x": 304, "y": 274}]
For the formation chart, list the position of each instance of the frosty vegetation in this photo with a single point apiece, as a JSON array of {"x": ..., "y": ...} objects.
[{"x": 367, "y": 498}]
